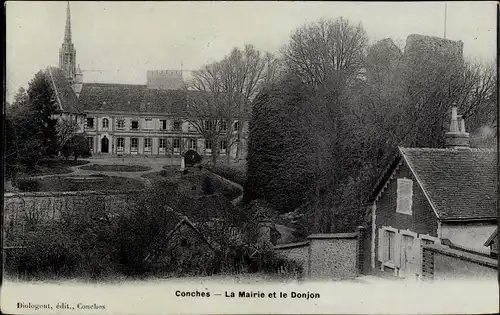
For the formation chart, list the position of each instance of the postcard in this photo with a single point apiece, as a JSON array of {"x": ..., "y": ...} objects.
[{"x": 250, "y": 158}]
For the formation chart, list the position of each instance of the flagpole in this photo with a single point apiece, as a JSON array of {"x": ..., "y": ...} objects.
[{"x": 445, "y": 9}]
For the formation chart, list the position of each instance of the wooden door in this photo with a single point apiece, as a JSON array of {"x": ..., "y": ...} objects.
[{"x": 409, "y": 257}]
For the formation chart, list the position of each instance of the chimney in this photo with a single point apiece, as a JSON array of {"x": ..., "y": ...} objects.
[{"x": 457, "y": 137}]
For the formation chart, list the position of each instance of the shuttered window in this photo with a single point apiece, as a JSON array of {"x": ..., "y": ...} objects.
[
  {"x": 405, "y": 195},
  {"x": 389, "y": 242}
]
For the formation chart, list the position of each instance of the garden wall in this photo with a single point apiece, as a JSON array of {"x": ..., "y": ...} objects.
[
  {"x": 43, "y": 207},
  {"x": 443, "y": 263},
  {"x": 328, "y": 256}
]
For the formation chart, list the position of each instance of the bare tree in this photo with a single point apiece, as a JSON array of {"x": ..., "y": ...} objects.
[
  {"x": 66, "y": 129},
  {"x": 225, "y": 90},
  {"x": 326, "y": 52}
]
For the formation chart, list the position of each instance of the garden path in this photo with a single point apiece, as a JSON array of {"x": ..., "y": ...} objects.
[{"x": 156, "y": 165}]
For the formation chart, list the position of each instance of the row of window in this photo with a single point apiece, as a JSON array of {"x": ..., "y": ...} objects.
[
  {"x": 148, "y": 124},
  {"x": 162, "y": 144}
]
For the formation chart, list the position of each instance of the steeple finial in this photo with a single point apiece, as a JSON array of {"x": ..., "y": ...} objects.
[{"x": 67, "y": 30}]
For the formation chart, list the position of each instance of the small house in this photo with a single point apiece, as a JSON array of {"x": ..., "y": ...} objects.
[{"x": 432, "y": 195}]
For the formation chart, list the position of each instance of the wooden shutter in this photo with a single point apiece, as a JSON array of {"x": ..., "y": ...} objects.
[
  {"x": 404, "y": 195},
  {"x": 417, "y": 248},
  {"x": 380, "y": 252},
  {"x": 397, "y": 249}
]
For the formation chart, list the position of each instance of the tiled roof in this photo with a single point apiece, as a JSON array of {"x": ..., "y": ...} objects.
[
  {"x": 109, "y": 97},
  {"x": 460, "y": 183},
  {"x": 132, "y": 98},
  {"x": 65, "y": 95}
]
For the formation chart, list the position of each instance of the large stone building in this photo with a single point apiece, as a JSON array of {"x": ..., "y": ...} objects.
[{"x": 150, "y": 119}]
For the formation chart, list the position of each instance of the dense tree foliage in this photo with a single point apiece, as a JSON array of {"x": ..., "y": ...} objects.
[
  {"x": 77, "y": 146},
  {"x": 319, "y": 144},
  {"x": 30, "y": 130},
  {"x": 277, "y": 169}
]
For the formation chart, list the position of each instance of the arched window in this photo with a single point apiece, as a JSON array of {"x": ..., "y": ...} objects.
[
  {"x": 237, "y": 126},
  {"x": 105, "y": 123}
]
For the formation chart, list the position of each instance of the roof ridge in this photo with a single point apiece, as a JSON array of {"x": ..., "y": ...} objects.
[
  {"x": 54, "y": 87},
  {"x": 109, "y": 84},
  {"x": 449, "y": 149}
]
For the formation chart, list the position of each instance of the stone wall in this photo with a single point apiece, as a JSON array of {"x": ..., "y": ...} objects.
[
  {"x": 333, "y": 256},
  {"x": 328, "y": 256},
  {"x": 298, "y": 252},
  {"x": 443, "y": 263},
  {"x": 43, "y": 207}
]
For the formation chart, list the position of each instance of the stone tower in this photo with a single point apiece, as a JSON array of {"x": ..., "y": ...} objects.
[{"x": 67, "y": 52}]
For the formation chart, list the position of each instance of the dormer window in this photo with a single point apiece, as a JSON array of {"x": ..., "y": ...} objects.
[
  {"x": 404, "y": 196},
  {"x": 105, "y": 123}
]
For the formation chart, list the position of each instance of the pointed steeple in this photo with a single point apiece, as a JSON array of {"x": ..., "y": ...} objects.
[
  {"x": 67, "y": 29},
  {"x": 67, "y": 53}
]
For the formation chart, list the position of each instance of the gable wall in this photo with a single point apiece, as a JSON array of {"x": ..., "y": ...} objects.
[
  {"x": 470, "y": 235},
  {"x": 422, "y": 221}
]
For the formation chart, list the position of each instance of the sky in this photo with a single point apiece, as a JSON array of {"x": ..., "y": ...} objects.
[{"x": 117, "y": 42}]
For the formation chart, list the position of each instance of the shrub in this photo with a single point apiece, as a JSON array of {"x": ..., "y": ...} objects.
[
  {"x": 184, "y": 172},
  {"x": 48, "y": 251},
  {"x": 228, "y": 172},
  {"x": 208, "y": 186},
  {"x": 192, "y": 157},
  {"x": 87, "y": 242},
  {"x": 77, "y": 146},
  {"x": 27, "y": 184},
  {"x": 270, "y": 262}
]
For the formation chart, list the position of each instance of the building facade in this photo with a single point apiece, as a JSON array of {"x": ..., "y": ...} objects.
[{"x": 138, "y": 119}]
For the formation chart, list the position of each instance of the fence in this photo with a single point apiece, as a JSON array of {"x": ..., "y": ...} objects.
[
  {"x": 444, "y": 263},
  {"x": 334, "y": 256}
]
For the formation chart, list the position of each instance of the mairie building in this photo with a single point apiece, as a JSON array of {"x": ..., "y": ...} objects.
[{"x": 135, "y": 119}]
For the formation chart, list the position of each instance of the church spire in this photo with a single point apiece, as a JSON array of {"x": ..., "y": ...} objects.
[
  {"x": 67, "y": 30},
  {"x": 67, "y": 52}
]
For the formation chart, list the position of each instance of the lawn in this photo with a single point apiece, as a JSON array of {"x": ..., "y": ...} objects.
[
  {"x": 78, "y": 183},
  {"x": 115, "y": 168},
  {"x": 52, "y": 167}
]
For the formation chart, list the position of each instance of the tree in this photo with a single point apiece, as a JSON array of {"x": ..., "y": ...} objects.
[
  {"x": 223, "y": 92},
  {"x": 24, "y": 135},
  {"x": 77, "y": 146},
  {"x": 326, "y": 52},
  {"x": 30, "y": 126},
  {"x": 66, "y": 128},
  {"x": 42, "y": 102},
  {"x": 279, "y": 167}
]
